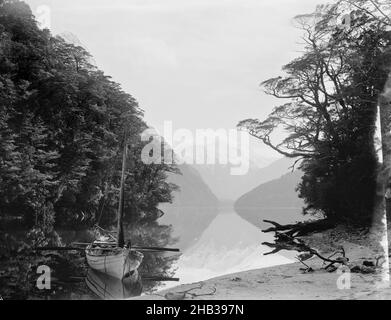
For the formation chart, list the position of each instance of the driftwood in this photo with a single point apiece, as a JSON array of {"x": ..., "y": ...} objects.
[
  {"x": 300, "y": 229},
  {"x": 287, "y": 240}
]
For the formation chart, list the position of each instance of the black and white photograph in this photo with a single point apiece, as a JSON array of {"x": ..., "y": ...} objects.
[{"x": 195, "y": 150}]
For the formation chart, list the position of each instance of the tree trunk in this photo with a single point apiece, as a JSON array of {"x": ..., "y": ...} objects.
[
  {"x": 382, "y": 213},
  {"x": 385, "y": 122}
]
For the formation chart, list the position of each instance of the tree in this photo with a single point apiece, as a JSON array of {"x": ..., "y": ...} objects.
[
  {"x": 62, "y": 122},
  {"x": 333, "y": 89}
]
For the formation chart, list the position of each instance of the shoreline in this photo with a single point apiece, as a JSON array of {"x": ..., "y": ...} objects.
[
  {"x": 285, "y": 282},
  {"x": 289, "y": 282}
]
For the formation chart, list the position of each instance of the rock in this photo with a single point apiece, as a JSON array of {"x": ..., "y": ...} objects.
[
  {"x": 175, "y": 296},
  {"x": 343, "y": 260},
  {"x": 332, "y": 269},
  {"x": 367, "y": 270},
  {"x": 363, "y": 269},
  {"x": 368, "y": 263},
  {"x": 356, "y": 269}
]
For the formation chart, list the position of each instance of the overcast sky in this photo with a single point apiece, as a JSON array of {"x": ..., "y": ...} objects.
[{"x": 197, "y": 63}]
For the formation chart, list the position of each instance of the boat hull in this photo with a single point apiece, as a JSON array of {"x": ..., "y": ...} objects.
[{"x": 118, "y": 264}]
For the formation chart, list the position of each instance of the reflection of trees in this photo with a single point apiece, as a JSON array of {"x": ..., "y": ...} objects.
[
  {"x": 18, "y": 268},
  {"x": 154, "y": 264}
]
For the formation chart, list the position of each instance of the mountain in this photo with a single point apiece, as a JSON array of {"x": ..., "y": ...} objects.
[
  {"x": 193, "y": 209},
  {"x": 273, "y": 171},
  {"x": 228, "y": 187},
  {"x": 193, "y": 189},
  {"x": 275, "y": 200}
]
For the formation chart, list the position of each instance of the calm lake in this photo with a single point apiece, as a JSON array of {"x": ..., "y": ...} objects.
[{"x": 229, "y": 244}]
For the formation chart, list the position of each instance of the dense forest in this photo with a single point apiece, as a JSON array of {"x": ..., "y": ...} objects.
[
  {"x": 63, "y": 124},
  {"x": 331, "y": 96}
]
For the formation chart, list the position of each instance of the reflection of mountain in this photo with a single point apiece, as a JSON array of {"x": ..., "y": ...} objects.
[
  {"x": 228, "y": 187},
  {"x": 275, "y": 200},
  {"x": 194, "y": 206},
  {"x": 230, "y": 244}
]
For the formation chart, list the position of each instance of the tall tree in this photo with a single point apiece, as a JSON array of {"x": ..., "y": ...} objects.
[
  {"x": 62, "y": 121},
  {"x": 333, "y": 89}
]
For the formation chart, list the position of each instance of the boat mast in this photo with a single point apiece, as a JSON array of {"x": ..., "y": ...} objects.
[{"x": 121, "y": 237}]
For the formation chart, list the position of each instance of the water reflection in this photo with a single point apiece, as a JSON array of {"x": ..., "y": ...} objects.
[
  {"x": 155, "y": 269},
  {"x": 228, "y": 245},
  {"x": 154, "y": 265},
  {"x": 109, "y": 288}
]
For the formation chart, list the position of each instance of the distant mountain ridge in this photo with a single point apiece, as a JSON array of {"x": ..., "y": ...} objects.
[
  {"x": 193, "y": 209},
  {"x": 193, "y": 189},
  {"x": 274, "y": 200},
  {"x": 228, "y": 187}
]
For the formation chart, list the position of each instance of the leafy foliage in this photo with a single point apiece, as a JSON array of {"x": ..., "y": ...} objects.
[
  {"x": 62, "y": 123},
  {"x": 62, "y": 129},
  {"x": 333, "y": 91}
]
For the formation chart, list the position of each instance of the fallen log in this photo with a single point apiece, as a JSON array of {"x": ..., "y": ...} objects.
[
  {"x": 300, "y": 229},
  {"x": 286, "y": 242}
]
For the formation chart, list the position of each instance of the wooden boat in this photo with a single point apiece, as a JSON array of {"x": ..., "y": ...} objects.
[
  {"x": 108, "y": 254},
  {"x": 116, "y": 262},
  {"x": 109, "y": 288}
]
